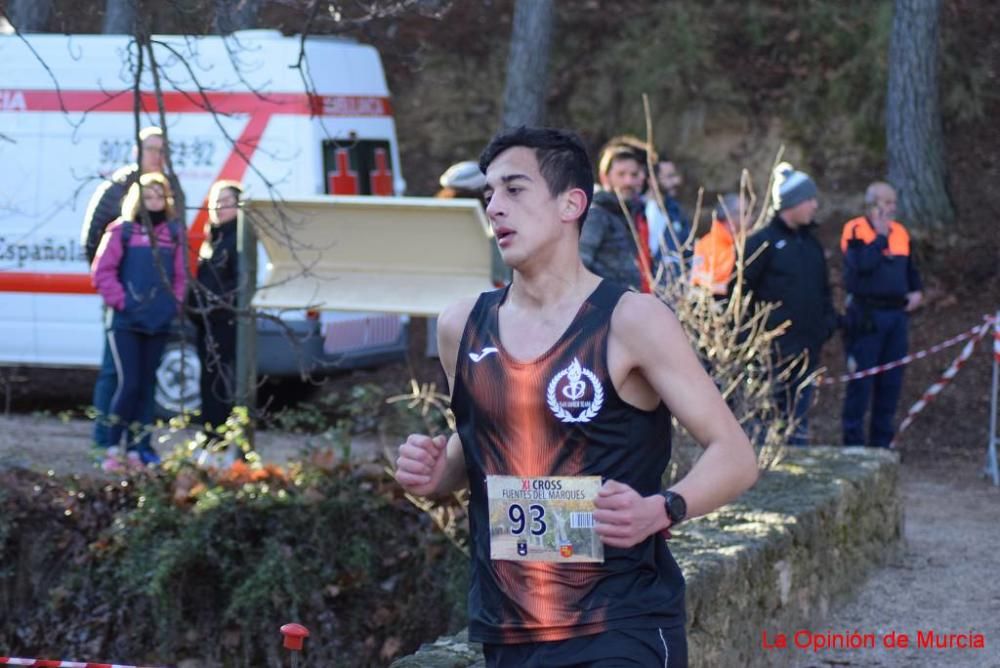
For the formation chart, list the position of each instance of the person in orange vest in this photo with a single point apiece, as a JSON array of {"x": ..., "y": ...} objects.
[
  {"x": 883, "y": 286},
  {"x": 715, "y": 253}
]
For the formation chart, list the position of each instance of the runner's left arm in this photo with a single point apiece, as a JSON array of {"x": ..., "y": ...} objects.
[
  {"x": 663, "y": 353},
  {"x": 657, "y": 346}
]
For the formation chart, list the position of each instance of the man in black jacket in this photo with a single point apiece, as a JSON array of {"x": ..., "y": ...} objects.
[
  {"x": 104, "y": 207},
  {"x": 790, "y": 272},
  {"x": 106, "y": 203}
]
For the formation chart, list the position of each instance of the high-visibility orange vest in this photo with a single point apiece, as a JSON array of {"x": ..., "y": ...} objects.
[
  {"x": 714, "y": 259},
  {"x": 861, "y": 229}
]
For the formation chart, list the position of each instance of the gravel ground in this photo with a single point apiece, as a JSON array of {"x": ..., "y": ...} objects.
[
  {"x": 946, "y": 580},
  {"x": 48, "y": 443}
]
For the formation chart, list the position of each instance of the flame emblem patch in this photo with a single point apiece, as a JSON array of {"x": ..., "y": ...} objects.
[{"x": 567, "y": 391}]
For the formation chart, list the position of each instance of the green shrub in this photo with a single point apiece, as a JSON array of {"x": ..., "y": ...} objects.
[{"x": 188, "y": 562}]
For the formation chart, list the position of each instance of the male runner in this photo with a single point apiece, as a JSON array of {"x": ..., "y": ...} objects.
[{"x": 562, "y": 386}]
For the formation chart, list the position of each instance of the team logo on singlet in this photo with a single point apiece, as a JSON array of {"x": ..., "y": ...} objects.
[{"x": 575, "y": 394}]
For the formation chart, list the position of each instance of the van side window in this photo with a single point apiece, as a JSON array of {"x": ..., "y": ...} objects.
[{"x": 362, "y": 167}]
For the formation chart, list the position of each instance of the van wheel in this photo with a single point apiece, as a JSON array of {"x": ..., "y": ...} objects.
[{"x": 178, "y": 378}]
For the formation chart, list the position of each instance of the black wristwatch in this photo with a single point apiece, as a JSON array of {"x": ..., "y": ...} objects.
[{"x": 675, "y": 505}]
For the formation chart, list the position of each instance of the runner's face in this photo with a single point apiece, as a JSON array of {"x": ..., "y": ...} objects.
[{"x": 523, "y": 213}]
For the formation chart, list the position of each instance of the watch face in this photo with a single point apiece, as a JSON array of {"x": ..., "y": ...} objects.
[{"x": 676, "y": 506}]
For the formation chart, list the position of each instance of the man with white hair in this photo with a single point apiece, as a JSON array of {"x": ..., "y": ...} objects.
[
  {"x": 789, "y": 271},
  {"x": 883, "y": 287}
]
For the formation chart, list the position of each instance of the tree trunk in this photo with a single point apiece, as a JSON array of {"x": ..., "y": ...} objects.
[
  {"x": 528, "y": 63},
  {"x": 914, "y": 137},
  {"x": 29, "y": 15},
  {"x": 119, "y": 17},
  {"x": 233, "y": 15}
]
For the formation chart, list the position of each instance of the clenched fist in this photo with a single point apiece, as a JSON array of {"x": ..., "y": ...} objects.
[{"x": 420, "y": 465}]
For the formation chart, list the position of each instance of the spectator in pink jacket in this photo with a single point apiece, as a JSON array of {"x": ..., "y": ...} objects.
[{"x": 139, "y": 272}]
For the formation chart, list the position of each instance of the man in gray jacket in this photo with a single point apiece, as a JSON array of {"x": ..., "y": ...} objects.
[{"x": 608, "y": 245}]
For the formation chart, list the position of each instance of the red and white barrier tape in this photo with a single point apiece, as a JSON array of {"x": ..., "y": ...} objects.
[
  {"x": 47, "y": 663},
  {"x": 996, "y": 337},
  {"x": 946, "y": 377},
  {"x": 955, "y": 340}
]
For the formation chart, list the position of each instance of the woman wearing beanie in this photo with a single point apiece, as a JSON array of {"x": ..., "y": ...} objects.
[
  {"x": 790, "y": 271},
  {"x": 139, "y": 273}
]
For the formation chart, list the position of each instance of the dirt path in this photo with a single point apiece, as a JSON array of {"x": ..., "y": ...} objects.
[
  {"x": 946, "y": 580},
  {"x": 47, "y": 443}
]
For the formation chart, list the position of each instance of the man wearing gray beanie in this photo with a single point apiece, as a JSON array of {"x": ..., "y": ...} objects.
[{"x": 790, "y": 272}]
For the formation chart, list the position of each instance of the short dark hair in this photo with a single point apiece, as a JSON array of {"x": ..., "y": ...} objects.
[{"x": 562, "y": 158}]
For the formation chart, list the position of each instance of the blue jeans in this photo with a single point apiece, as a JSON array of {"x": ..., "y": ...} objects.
[
  {"x": 104, "y": 390},
  {"x": 136, "y": 356},
  {"x": 794, "y": 399}
]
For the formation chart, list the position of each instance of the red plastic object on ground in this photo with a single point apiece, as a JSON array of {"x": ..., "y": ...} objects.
[{"x": 295, "y": 635}]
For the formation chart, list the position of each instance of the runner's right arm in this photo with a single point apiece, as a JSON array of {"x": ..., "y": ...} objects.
[{"x": 434, "y": 466}]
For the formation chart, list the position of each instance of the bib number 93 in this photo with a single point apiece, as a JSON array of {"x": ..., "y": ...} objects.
[{"x": 520, "y": 522}]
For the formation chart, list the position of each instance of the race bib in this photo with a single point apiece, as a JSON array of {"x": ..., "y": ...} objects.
[{"x": 543, "y": 519}]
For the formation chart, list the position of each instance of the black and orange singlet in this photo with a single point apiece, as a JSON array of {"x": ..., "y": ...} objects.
[{"x": 559, "y": 415}]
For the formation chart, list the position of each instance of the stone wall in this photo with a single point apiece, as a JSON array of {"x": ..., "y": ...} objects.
[{"x": 775, "y": 561}]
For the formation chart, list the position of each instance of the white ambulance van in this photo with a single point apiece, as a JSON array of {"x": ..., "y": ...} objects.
[{"x": 236, "y": 108}]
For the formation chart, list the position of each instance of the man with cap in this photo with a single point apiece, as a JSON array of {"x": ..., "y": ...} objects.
[
  {"x": 787, "y": 268},
  {"x": 715, "y": 253},
  {"x": 883, "y": 286},
  {"x": 463, "y": 180}
]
